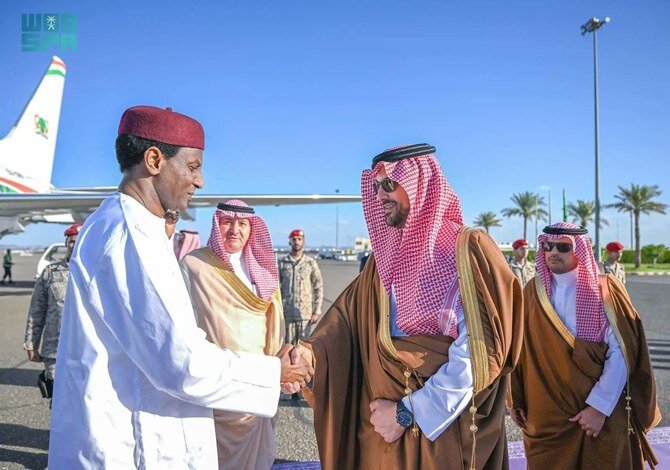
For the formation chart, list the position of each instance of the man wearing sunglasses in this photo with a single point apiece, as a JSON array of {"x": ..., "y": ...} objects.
[
  {"x": 412, "y": 360},
  {"x": 584, "y": 391}
]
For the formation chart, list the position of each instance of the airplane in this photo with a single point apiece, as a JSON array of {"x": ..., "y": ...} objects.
[{"x": 26, "y": 163}]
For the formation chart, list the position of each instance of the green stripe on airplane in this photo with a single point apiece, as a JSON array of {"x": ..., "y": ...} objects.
[
  {"x": 55, "y": 72},
  {"x": 7, "y": 189}
]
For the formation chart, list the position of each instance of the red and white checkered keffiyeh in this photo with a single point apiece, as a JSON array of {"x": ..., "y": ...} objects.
[
  {"x": 591, "y": 318},
  {"x": 257, "y": 252},
  {"x": 419, "y": 260}
]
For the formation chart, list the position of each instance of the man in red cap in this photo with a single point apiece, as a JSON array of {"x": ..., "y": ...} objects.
[
  {"x": 45, "y": 312},
  {"x": 584, "y": 392},
  {"x": 301, "y": 289},
  {"x": 523, "y": 269},
  {"x": 612, "y": 264},
  {"x": 137, "y": 378},
  {"x": 412, "y": 360}
]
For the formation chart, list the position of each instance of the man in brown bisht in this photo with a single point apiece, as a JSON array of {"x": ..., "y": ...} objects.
[
  {"x": 584, "y": 391},
  {"x": 412, "y": 360},
  {"x": 234, "y": 287}
]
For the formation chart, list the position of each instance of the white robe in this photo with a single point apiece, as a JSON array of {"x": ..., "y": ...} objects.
[
  {"x": 448, "y": 391},
  {"x": 137, "y": 378}
]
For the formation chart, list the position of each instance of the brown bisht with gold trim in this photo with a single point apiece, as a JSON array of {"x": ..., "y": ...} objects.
[
  {"x": 556, "y": 374},
  {"x": 357, "y": 362}
]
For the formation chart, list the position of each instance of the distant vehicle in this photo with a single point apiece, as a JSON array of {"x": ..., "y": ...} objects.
[
  {"x": 56, "y": 252},
  {"x": 327, "y": 255}
]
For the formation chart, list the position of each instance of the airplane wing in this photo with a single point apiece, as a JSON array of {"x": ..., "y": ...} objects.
[
  {"x": 211, "y": 200},
  {"x": 46, "y": 207}
]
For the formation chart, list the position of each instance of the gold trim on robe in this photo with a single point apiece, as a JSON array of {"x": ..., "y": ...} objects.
[
  {"x": 555, "y": 320},
  {"x": 384, "y": 328},
  {"x": 472, "y": 313},
  {"x": 611, "y": 316},
  {"x": 234, "y": 318}
]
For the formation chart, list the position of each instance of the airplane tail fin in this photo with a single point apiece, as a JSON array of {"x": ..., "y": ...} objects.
[{"x": 27, "y": 152}]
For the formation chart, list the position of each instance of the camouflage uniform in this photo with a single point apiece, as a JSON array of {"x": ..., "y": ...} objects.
[
  {"x": 523, "y": 273},
  {"x": 44, "y": 315},
  {"x": 302, "y": 294},
  {"x": 617, "y": 269}
]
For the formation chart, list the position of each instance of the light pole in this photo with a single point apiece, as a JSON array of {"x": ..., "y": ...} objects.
[
  {"x": 592, "y": 26},
  {"x": 337, "y": 223}
]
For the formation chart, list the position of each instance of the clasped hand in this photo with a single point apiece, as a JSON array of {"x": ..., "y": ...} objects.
[
  {"x": 296, "y": 367},
  {"x": 590, "y": 420},
  {"x": 383, "y": 418}
]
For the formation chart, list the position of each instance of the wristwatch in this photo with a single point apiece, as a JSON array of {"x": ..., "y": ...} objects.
[{"x": 403, "y": 416}]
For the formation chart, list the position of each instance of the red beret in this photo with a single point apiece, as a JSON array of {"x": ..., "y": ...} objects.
[
  {"x": 296, "y": 233},
  {"x": 614, "y": 246},
  {"x": 162, "y": 125},
  {"x": 73, "y": 229},
  {"x": 519, "y": 242}
]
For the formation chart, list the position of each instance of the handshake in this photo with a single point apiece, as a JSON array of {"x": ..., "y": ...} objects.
[{"x": 297, "y": 367}]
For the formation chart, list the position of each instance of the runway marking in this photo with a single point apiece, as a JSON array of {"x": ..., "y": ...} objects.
[{"x": 659, "y": 350}]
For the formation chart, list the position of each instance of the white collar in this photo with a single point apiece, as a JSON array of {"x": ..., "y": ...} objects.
[
  {"x": 141, "y": 214},
  {"x": 566, "y": 278}
]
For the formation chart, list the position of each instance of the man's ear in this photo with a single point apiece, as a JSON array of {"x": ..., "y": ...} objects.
[{"x": 153, "y": 160}]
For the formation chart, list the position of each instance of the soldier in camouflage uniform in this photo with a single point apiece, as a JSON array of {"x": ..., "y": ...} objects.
[
  {"x": 46, "y": 309},
  {"x": 611, "y": 264},
  {"x": 301, "y": 289},
  {"x": 523, "y": 269}
]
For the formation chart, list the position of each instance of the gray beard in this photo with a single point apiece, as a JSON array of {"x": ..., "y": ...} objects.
[{"x": 394, "y": 220}]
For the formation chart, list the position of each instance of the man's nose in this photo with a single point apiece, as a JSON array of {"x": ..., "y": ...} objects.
[{"x": 199, "y": 181}]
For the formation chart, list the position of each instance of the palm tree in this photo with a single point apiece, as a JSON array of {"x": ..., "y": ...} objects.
[
  {"x": 528, "y": 204},
  {"x": 637, "y": 200},
  {"x": 583, "y": 213},
  {"x": 487, "y": 220}
]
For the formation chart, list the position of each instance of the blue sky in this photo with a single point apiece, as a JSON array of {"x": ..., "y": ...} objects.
[{"x": 298, "y": 96}]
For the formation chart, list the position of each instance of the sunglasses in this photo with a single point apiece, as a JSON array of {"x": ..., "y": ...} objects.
[
  {"x": 387, "y": 184},
  {"x": 562, "y": 247}
]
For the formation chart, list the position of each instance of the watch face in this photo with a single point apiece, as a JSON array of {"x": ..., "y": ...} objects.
[
  {"x": 403, "y": 416},
  {"x": 405, "y": 419}
]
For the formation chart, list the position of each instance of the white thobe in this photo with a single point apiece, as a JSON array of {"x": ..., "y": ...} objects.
[
  {"x": 606, "y": 392},
  {"x": 447, "y": 392},
  {"x": 137, "y": 377},
  {"x": 241, "y": 271}
]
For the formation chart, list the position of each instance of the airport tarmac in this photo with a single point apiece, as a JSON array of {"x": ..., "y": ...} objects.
[{"x": 24, "y": 415}]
